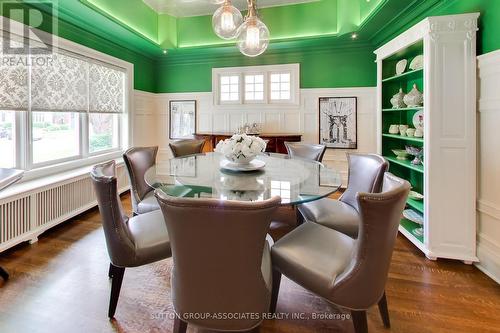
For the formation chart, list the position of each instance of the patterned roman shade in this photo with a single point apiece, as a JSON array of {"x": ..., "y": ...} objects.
[
  {"x": 107, "y": 87},
  {"x": 13, "y": 78},
  {"x": 60, "y": 84}
]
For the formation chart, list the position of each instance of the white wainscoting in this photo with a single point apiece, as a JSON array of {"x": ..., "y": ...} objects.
[
  {"x": 144, "y": 119},
  {"x": 488, "y": 205},
  {"x": 302, "y": 118}
]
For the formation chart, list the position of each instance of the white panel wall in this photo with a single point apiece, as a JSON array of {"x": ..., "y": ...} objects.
[
  {"x": 302, "y": 118},
  {"x": 144, "y": 119},
  {"x": 488, "y": 205}
]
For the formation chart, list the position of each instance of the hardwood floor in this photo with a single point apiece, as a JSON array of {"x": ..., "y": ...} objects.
[{"x": 60, "y": 284}]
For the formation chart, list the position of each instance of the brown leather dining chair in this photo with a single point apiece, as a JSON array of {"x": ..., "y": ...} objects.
[
  {"x": 131, "y": 242},
  {"x": 186, "y": 147},
  {"x": 350, "y": 273},
  {"x": 221, "y": 260},
  {"x": 366, "y": 172},
  {"x": 305, "y": 150},
  {"x": 138, "y": 160}
]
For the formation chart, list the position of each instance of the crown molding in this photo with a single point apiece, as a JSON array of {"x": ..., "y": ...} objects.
[
  {"x": 276, "y": 50},
  {"x": 410, "y": 15}
]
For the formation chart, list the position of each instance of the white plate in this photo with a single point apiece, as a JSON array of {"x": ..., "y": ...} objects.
[
  {"x": 415, "y": 196},
  {"x": 252, "y": 166},
  {"x": 418, "y": 119},
  {"x": 401, "y": 66},
  {"x": 413, "y": 216},
  {"x": 417, "y": 62}
]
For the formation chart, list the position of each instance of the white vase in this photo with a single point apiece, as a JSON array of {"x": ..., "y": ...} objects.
[
  {"x": 241, "y": 159},
  {"x": 414, "y": 98},
  {"x": 397, "y": 100}
]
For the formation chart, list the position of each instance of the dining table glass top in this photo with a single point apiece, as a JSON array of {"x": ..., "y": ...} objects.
[{"x": 201, "y": 176}]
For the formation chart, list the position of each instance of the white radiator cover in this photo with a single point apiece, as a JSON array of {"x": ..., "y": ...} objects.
[{"x": 24, "y": 216}]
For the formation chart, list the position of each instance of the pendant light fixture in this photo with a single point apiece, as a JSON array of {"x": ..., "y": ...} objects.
[
  {"x": 253, "y": 34},
  {"x": 226, "y": 20}
]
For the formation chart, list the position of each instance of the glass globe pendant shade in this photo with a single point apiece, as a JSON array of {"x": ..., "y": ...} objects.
[
  {"x": 253, "y": 37},
  {"x": 226, "y": 21}
]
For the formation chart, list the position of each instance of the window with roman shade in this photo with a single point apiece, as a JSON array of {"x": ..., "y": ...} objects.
[{"x": 65, "y": 106}]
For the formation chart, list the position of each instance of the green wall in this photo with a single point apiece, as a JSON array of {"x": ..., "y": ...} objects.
[{"x": 320, "y": 68}]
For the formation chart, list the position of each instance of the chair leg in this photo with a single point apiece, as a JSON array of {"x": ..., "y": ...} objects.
[
  {"x": 179, "y": 325},
  {"x": 4, "y": 274},
  {"x": 359, "y": 321},
  {"x": 299, "y": 216},
  {"x": 384, "y": 311},
  {"x": 110, "y": 271},
  {"x": 275, "y": 290},
  {"x": 116, "y": 284}
]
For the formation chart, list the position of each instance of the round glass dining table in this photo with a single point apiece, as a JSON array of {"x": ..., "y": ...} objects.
[{"x": 201, "y": 176}]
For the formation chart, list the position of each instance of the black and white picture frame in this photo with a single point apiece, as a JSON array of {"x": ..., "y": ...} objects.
[
  {"x": 182, "y": 116},
  {"x": 338, "y": 122}
]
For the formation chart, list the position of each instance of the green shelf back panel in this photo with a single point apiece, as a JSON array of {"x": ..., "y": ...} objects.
[
  {"x": 407, "y": 75},
  {"x": 409, "y": 140},
  {"x": 415, "y": 178},
  {"x": 418, "y": 205},
  {"x": 406, "y": 83},
  {"x": 389, "y": 64},
  {"x": 403, "y": 109},
  {"x": 411, "y": 226}
]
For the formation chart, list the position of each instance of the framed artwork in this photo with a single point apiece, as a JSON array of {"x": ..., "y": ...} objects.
[
  {"x": 182, "y": 115},
  {"x": 338, "y": 122}
]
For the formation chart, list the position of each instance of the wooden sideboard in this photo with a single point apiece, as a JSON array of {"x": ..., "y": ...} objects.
[{"x": 276, "y": 142}]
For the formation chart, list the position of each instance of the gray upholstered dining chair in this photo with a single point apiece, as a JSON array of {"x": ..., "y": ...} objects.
[
  {"x": 366, "y": 172},
  {"x": 221, "y": 260},
  {"x": 131, "y": 242},
  {"x": 186, "y": 147},
  {"x": 138, "y": 160},
  {"x": 350, "y": 273},
  {"x": 306, "y": 150}
]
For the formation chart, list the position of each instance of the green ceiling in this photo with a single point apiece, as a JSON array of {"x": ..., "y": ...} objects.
[
  {"x": 134, "y": 25},
  {"x": 306, "y": 20}
]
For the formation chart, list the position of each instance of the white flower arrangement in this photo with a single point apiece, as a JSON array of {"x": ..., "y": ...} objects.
[{"x": 241, "y": 148}]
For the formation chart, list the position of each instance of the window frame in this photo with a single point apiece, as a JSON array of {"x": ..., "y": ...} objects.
[
  {"x": 266, "y": 71},
  {"x": 32, "y": 164},
  {"x": 104, "y": 151},
  {"x": 265, "y": 91},
  {"x": 24, "y": 123},
  {"x": 280, "y": 101},
  {"x": 218, "y": 88}
]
